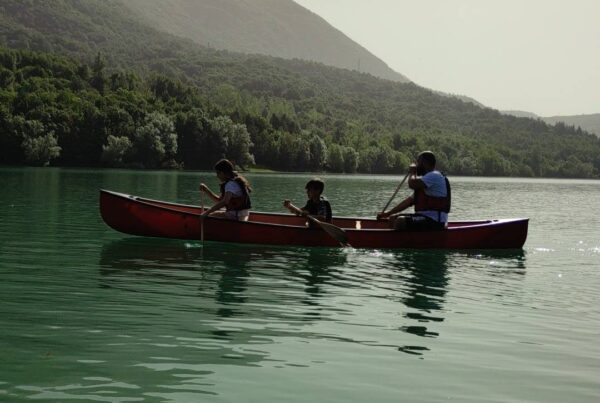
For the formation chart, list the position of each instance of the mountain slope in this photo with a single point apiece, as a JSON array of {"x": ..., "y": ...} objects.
[
  {"x": 279, "y": 28},
  {"x": 589, "y": 123},
  {"x": 286, "y": 104},
  {"x": 521, "y": 114}
]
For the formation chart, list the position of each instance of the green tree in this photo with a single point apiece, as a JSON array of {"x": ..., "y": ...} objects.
[
  {"x": 350, "y": 159},
  {"x": 98, "y": 79},
  {"x": 39, "y": 148},
  {"x": 11, "y": 138},
  {"x": 335, "y": 161},
  {"x": 366, "y": 160},
  {"x": 234, "y": 140},
  {"x": 318, "y": 153},
  {"x": 114, "y": 152},
  {"x": 191, "y": 127},
  {"x": 239, "y": 145},
  {"x": 7, "y": 78},
  {"x": 155, "y": 143}
]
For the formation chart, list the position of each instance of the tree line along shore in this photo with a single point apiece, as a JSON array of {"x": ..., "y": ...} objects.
[{"x": 60, "y": 111}]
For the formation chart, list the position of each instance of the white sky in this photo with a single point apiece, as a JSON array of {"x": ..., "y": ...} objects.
[{"x": 540, "y": 56}]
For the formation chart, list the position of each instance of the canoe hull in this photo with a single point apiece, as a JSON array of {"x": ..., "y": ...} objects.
[{"x": 144, "y": 217}]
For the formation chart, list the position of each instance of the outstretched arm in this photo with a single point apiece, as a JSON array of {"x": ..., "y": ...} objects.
[
  {"x": 220, "y": 204},
  {"x": 205, "y": 189},
  {"x": 293, "y": 209},
  {"x": 403, "y": 205}
]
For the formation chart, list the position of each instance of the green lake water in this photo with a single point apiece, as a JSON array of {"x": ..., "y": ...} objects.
[{"x": 89, "y": 314}]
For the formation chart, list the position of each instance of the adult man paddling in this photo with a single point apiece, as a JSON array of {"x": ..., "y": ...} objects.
[{"x": 431, "y": 198}]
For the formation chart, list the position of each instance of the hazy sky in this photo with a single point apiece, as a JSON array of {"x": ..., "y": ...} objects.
[{"x": 540, "y": 56}]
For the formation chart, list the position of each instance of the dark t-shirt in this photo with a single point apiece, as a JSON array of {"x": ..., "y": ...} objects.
[{"x": 322, "y": 208}]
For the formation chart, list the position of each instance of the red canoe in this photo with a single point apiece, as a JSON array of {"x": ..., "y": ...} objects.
[{"x": 138, "y": 216}]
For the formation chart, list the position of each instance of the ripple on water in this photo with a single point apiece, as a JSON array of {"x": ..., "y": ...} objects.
[{"x": 100, "y": 316}]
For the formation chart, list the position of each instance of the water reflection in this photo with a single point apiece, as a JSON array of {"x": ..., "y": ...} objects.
[
  {"x": 193, "y": 292},
  {"x": 239, "y": 295},
  {"x": 175, "y": 260},
  {"x": 317, "y": 270},
  {"x": 425, "y": 277},
  {"x": 251, "y": 295}
]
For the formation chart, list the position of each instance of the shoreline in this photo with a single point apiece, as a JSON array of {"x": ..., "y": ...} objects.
[{"x": 264, "y": 171}]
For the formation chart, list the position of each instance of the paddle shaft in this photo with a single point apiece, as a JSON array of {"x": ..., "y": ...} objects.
[
  {"x": 202, "y": 218},
  {"x": 395, "y": 193}
]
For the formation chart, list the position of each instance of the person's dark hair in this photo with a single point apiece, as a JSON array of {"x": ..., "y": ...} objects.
[
  {"x": 226, "y": 167},
  {"x": 428, "y": 157},
  {"x": 316, "y": 184}
]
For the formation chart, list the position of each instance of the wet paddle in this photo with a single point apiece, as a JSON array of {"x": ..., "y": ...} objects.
[
  {"x": 396, "y": 192},
  {"x": 335, "y": 232}
]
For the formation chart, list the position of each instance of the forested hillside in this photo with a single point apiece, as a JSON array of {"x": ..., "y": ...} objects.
[
  {"x": 590, "y": 123},
  {"x": 297, "y": 115},
  {"x": 58, "y": 110}
]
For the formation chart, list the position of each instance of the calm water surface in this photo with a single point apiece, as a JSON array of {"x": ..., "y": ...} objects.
[{"x": 89, "y": 314}]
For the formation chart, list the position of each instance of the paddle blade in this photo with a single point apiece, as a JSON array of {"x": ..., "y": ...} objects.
[{"x": 335, "y": 232}]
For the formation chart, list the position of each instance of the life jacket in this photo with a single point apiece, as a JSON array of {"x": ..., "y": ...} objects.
[
  {"x": 424, "y": 202},
  {"x": 237, "y": 202},
  {"x": 322, "y": 208}
]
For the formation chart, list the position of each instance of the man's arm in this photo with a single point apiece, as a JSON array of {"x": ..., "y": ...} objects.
[
  {"x": 403, "y": 205},
  {"x": 415, "y": 183}
]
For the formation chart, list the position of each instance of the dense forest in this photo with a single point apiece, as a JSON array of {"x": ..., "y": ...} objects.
[
  {"x": 132, "y": 96},
  {"x": 54, "y": 109}
]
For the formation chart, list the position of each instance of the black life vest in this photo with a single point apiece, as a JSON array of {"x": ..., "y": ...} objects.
[
  {"x": 424, "y": 202},
  {"x": 237, "y": 202},
  {"x": 320, "y": 208}
]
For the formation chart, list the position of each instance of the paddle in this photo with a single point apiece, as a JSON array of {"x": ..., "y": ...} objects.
[
  {"x": 335, "y": 232},
  {"x": 394, "y": 195},
  {"x": 202, "y": 217}
]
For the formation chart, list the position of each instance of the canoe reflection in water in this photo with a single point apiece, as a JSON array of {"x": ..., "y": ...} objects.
[
  {"x": 222, "y": 272},
  {"x": 245, "y": 295},
  {"x": 425, "y": 277},
  {"x": 218, "y": 303}
]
